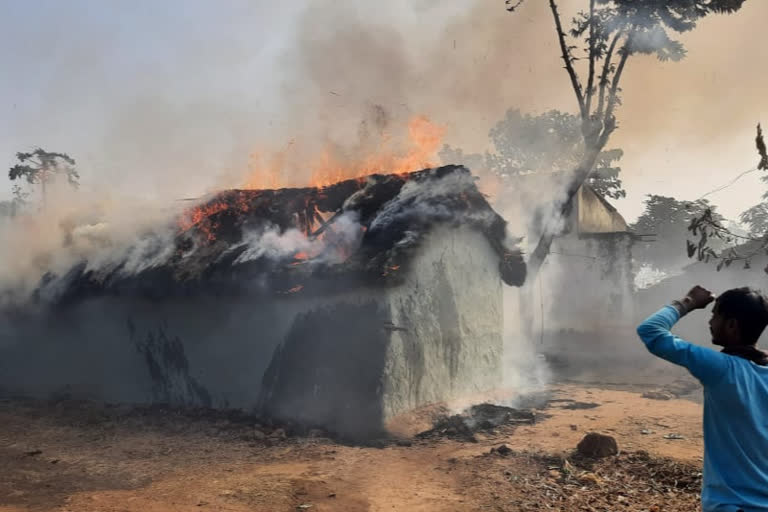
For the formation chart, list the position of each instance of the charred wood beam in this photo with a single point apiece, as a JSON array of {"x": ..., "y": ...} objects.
[{"x": 325, "y": 224}]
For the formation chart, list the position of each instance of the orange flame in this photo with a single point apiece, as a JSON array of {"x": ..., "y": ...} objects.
[
  {"x": 331, "y": 166},
  {"x": 388, "y": 270},
  {"x": 200, "y": 217}
]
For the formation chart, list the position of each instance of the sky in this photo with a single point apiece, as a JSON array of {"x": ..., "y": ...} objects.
[{"x": 170, "y": 99}]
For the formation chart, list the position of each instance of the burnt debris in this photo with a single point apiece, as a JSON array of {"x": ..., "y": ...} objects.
[
  {"x": 479, "y": 418},
  {"x": 358, "y": 230}
]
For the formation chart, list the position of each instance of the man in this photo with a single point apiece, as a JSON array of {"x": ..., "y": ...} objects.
[{"x": 735, "y": 384}]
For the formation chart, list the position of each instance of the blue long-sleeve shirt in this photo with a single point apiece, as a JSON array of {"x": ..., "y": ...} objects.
[{"x": 735, "y": 475}]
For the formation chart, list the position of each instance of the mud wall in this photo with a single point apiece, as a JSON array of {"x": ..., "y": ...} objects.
[
  {"x": 197, "y": 351},
  {"x": 346, "y": 361},
  {"x": 446, "y": 324},
  {"x": 582, "y": 306},
  {"x": 593, "y": 280}
]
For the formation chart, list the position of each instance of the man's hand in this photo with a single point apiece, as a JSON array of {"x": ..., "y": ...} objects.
[{"x": 698, "y": 298}]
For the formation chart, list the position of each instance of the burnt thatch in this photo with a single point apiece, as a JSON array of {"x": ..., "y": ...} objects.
[{"x": 281, "y": 241}]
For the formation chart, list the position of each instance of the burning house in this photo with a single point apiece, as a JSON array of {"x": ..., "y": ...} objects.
[{"x": 339, "y": 306}]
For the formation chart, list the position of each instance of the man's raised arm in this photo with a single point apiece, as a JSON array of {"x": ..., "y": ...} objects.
[{"x": 705, "y": 364}]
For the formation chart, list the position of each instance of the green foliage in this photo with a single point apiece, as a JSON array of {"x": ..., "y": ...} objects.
[
  {"x": 740, "y": 247},
  {"x": 756, "y": 219},
  {"x": 551, "y": 142},
  {"x": 40, "y": 167},
  {"x": 646, "y": 23},
  {"x": 650, "y": 22},
  {"x": 669, "y": 220}
]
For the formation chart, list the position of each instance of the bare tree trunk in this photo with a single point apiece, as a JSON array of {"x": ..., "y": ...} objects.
[{"x": 551, "y": 230}]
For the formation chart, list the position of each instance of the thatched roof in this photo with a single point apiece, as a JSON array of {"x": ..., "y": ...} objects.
[{"x": 278, "y": 241}]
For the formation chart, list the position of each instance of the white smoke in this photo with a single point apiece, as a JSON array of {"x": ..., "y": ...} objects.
[{"x": 269, "y": 242}]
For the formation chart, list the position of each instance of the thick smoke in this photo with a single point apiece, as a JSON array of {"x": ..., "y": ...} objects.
[
  {"x": 270, "y": 243},
  {"x": 347, "y": 79}
]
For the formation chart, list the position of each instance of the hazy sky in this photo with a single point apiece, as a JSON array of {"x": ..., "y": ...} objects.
[{"x": 169, "y": 98}]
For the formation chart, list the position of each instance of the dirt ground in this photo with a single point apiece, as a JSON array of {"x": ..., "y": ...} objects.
[{"x": 84, "y": 457}]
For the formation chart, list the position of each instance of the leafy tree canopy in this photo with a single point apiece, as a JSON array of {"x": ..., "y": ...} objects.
[
  {"x": 550, "y": 142},
  {"x": 40, "y": 167},
  {"x": 668, "y": 219}
]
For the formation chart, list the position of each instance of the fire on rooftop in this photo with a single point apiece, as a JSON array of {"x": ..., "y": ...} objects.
[{"x": 337, "y": 306}]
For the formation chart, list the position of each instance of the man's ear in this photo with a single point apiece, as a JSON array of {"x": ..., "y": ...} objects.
[{"x": 732, "y": 324}]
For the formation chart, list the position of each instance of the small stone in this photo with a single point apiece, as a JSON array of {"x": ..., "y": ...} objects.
[
  {"x": 658, "y": 395},
  {"x": 574, "y": 427},
  {"x": 278, "y": 434},
  {"x": 258, "y": 435},
  {"x": 503, "y": 450},
  {"x": 596, "y": 446}
]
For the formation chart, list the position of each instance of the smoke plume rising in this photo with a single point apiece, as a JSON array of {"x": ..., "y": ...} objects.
[{"x": 341, "y": 81}]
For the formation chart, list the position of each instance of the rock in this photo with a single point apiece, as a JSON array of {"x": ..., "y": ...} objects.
[
  {"x": 278, "y": 434},
  {"x": 404, "y": 442},
  {"x": 574, "y": 406},
  {"x": 259, "y": 435},
  {"x": 502, "y": 450},
  {"x": 673, "y": 436},
  {"x": 596, "y": 446},
  {"x": 32, "y": 453},
  {"x": 658, "y": 395}
]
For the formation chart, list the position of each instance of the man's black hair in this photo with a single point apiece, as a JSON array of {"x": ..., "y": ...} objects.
[{"x": 747, "y": 306}]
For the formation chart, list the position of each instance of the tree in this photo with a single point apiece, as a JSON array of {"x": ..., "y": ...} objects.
[
  {"x": 742, "y": 247},
  {"x": 550, "y": 142},
  {"x": 42, "y": 167},
  {"x": 668, "y": 220},
  {"x": 612, "y": 31},
  {"x": 756, "y": 217}
]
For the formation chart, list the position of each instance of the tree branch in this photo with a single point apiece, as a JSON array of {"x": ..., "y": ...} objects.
[
  {"x": 606, "y": 71},
  {"x": 592, "y": 56},
  {"x": 610, "y": 121},
  {"x": 567, "y": 59},
  {"x": 512, "y": 6}
]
